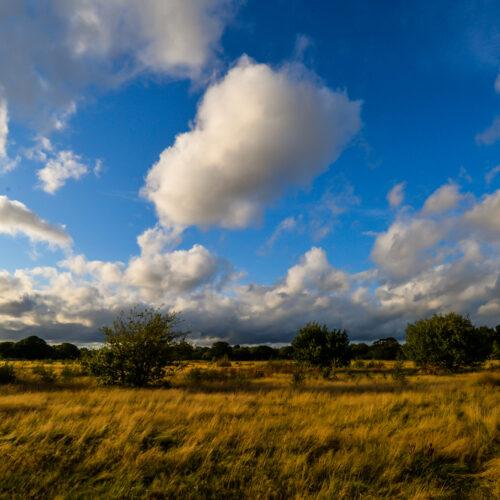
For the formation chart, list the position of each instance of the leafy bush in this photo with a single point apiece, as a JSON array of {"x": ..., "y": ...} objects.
[
  {"x": 69, "y": 372},
  {"x": 316, "y": 345},
  {"x": 359, "y": 363},
  {"x": 446, "y": 342},
  {"x": 398, "y": 373},
  {"x": 223, "y": 362},
  {"x": 7, "y": 374},
  {"x": 47, "y": 375},
  {"x": 298, "y": 377},
  {"x": 136, "y": 349}
]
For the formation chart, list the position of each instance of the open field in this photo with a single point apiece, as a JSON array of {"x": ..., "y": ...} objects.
[{"x": 246, "y": 432}]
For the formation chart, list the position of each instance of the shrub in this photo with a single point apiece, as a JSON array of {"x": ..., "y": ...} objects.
[
  {"x": 398, "y": 373},
  {"x": 316, "y": 345},
  {"x": 47, "y": 375},
  {"x": 69, "y": 372},
  {"x": 298, "y": 377},
  {"x": 359, "y": 363},
  {"x": 223, "y": 362},
  {"x": 136, "y": 349},
  {"x": 7, "y": 374},
  {"x": 446, "y": 342}
]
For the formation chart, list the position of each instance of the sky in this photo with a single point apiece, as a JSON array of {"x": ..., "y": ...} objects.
[{"x": 250, "y": 165}]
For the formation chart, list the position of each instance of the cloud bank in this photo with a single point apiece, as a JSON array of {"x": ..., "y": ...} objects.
[{"x": 425, "y": 262}]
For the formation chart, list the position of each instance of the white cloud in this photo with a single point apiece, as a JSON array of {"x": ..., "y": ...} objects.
[
  {"x": 497, "y": 84},
  {"x": 16, "y": 218},
  {"x": 407, "y": 247},
  {"x": 396, "y": 195},
  {"x": 173, "y": 272},
  {"x": 285, "y": 226},
  {"x": 490, "y": 175},
  {"x": 485, "y": 215},
  {"x": 490, "y": 135},
  {"x": 6, "y": 164},
  {"x": 4, "y": 128},
  {"x": 58, "y": 169},
  {"x": 257, "y": 131},
  {"x": 72, "y": 45},
  {"x": 443, "y": 199}
]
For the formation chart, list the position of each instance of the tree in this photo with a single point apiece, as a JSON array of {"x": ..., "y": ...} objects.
[
  {"x": 136, "y": 349},
  {"x": 220, "y": 349},
  {"x": 316, "y": 345},
  {"x": 32, "y": 348},
  {"x": 444, "y": 341},
  {"x": 386, "y": 349},
  {"x": 65, "y": 351}
]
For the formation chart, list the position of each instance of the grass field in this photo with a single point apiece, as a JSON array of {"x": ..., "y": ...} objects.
[{"x": 247, "y": 432}]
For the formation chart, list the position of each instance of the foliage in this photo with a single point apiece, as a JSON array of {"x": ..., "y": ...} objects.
[
  {"x": 385, "y": 349},
  {"x": 298, "y": 377},
  {"x": 224, "y": 362},
  {"x": 398, "y": 373},
  {"x": 438, "y": 439},
  {"x": 47, "y": 375},
  {"x": 136, "y": 349},
  {"x": 316, "y": 345},
  {"x": 65, "y": 351},
  {"x": 35, "y": 348},
  {"x": 7, "y": 374},
  {"x": 444, "y": 341}
]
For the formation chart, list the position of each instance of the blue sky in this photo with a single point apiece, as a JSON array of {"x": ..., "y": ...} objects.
[{"x": 253, "y": 165}]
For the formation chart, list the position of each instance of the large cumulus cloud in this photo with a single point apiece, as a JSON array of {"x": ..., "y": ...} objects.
[{"x": 257, "y": 131}]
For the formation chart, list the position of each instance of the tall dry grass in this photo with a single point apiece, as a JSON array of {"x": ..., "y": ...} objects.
[{"x": 359, "y": 435}]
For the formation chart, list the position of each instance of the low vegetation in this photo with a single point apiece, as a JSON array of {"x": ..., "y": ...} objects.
[
  {"x": 253, "y": 430},
  {"x": 318, "y": 423}
]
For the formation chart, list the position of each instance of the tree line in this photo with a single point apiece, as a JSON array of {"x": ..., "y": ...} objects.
[{"x": 140, "y": 344}]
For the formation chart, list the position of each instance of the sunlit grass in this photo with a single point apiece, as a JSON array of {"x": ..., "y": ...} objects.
[{"x": 249, "y": 434}]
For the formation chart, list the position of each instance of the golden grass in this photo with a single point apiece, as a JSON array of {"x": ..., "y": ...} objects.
[{"x": 359, "y": 436}]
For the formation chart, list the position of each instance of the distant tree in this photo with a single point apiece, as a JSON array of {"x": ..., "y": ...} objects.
[
  {"x": 444, "y": 341},
  {"x": 6, "y": 350},
  {"x": 137, "y": 347},
  {"x": 316, "y": 345},
  {"x": 385, "y": 349},
  {"x": 32, "y": 348},
  {"x": 286, "y": 352},
  {"x": 65, "y": 351},
  {"x": 241, "y": 353},
  {"x": 360, "y": 351},
  {"x": 220, "y": 349},
  {"x": 489, "y": 339},
  {"x": 263, "y": 353}
]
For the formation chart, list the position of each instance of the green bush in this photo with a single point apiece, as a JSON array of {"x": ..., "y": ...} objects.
[
  {"x": 316, "y": 345},
  {"x": 7, "y": 374},
  {"x": 398, "y": 373},
  {"x": 447, "y": 342},
  {"x": 69, "y": 372},
  {"x": 223, "y": 362},
  {"x": 136, "y": 349},
  {"x": 47, "y": 375},
  {"x": 298, "y": 377}
]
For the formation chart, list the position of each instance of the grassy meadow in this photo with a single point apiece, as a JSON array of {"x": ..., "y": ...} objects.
[{"x": 248, "y": 431}]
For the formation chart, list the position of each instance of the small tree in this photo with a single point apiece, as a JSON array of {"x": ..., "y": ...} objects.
[
  {"x": 316, "y": 345},
  {"x": 444, "y": 341},
  {"x": 136, "y": 349}
]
